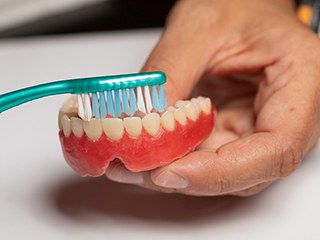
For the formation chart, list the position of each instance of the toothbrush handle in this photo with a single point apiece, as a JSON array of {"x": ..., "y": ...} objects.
[
  {"x": 15, "y": 98},
  {"x": 80, "y": 86}
]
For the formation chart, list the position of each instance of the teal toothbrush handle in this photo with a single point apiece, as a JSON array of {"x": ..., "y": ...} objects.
[
  {"x": 15, "y": 98},
  {"x": 80, "y": 86}
]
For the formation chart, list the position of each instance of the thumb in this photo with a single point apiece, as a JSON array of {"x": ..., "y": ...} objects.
[{"x": 181, "y": 58}]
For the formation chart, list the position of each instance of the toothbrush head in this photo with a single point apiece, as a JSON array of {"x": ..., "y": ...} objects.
[{"x": 114, "y": 95}]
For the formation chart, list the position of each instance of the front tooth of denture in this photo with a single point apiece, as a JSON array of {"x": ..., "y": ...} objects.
[
  {"x": 113, "y": 128},
  {"x": 133, "y": 126},
  {"x": 191, "y": 112},
  {"x": 151, "y": 123},
  {"x": 93, "y": 128},
  {"x": 167, "y": 121},
  {"x": 65, "y": 123},
  {"x": 180, "y": 116},
  {"x": 77, "y": 127},
  {"x": 205, "y": 105}
]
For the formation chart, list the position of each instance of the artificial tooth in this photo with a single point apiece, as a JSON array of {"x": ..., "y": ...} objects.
[
  {"x": 205, "y": 105},
  {"x": 113, "y": 128},
  {"x": 171, "y": 109},
  {"x": 181, "y": 103},
  {"x": 191, "y": 111},
  {"x": 65, "y": 122},
  {"x": 93, "y": 128},
  {"x": 180, "y": 116},
  {"x": 133, "y": 126},
  {"x": 60, "y": 119},
  {"x": 70, "y": 105},
  {"x": 208, "y": 103},
  {"x": 167, "y": 121},
  {"x": 196, "y": 104},
  {"x": 77, "y": 127},
  {"x": 151, "y": 123}
]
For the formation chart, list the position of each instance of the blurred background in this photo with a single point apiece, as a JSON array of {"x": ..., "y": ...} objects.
[{"x": 21, "y": 18}]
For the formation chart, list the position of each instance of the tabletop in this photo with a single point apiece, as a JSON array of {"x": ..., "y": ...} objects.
[{"x": 42, "y": 198}]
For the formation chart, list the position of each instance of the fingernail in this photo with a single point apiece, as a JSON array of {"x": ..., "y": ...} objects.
[
  {"x": 122, "y": 175},
  {"x": 169, "y": 179}
]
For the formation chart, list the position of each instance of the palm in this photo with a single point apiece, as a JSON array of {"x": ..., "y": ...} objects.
[{"x": 234, "y": 101}]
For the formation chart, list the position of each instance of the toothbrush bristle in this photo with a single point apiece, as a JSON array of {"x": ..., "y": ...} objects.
[
  {"x": 125, "y": 102},
  {"x": 140, "y": 101},
  {"x": 102, "y": 103},
  {"x": 95, "y": 105},
  {"x": 148, "y": 99},
  {"x": 87, "y": 107},
  {"x": 115, "y": 102},
  {"x": 110, "y": 104}
]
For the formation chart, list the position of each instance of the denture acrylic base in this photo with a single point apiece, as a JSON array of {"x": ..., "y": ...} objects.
[{"x": 91, "y": 157}]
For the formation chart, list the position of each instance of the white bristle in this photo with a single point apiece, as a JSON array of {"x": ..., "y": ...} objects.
[
  {"x": 80, "y": 106},
  {"x": 87, "y": 108},
  {"x": 148, "y": 98},
  {"x": 140, "y": 101}
]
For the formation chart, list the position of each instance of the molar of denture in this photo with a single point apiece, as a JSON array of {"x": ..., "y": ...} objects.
[
  {"x": 65, "y": 123},
  {"x": 205, "y": 105},
  {"x": 70, "y": 105},
  {"x": 196, "y": 103},
  {"x": 151, "y": 123},
  {"x": 77, "y": 127},
  {"x": 191, "y": 112},
  {"x": 180, "y": 116},
  {"x": 208, "y": 103},
  {"x": 171, "y": 109},
  {"x": 93, "y": 128},
  {"x": 113, "y": 128},
  {"x": 181, "y": 103},
  {"x": 133, "y": 126},
  {"x": 167, "y": 121},
  {"x": 59, "y": 119}
]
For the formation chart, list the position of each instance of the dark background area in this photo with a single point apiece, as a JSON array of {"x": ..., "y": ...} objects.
[{"x": 105, "y": 16}]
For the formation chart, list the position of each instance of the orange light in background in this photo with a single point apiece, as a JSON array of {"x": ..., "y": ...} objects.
[{"x": 304, "y": 13}]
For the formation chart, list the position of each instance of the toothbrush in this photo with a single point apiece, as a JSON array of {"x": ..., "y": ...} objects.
[{"x": 100, "y": 96}]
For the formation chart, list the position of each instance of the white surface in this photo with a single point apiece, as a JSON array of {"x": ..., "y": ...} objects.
[
  {"x": 14, "y": 12},
  {"x": 41, "y": 197}
]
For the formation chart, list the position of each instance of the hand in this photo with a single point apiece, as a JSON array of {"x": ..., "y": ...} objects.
[{"x": 260, "y": 65}]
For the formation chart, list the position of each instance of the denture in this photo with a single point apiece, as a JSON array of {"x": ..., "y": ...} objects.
[{"x": 142, "y": 142}]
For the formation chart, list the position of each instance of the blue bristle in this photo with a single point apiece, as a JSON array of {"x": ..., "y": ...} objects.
[
  {"x": 163, "y": 101},
  {"x": 103, "y": 109},
  {"x": 125, "y": 102},
  {"x": 110, "y": 104},
  {"x": 155, "y": 98},
  {"x": 95, "y": 105},
  {"x": 133, "y": 101},
  {"x": 117, "y": 103}
]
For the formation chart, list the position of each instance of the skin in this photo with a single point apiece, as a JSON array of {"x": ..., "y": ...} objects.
[{"x": 260, "y": 65}]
